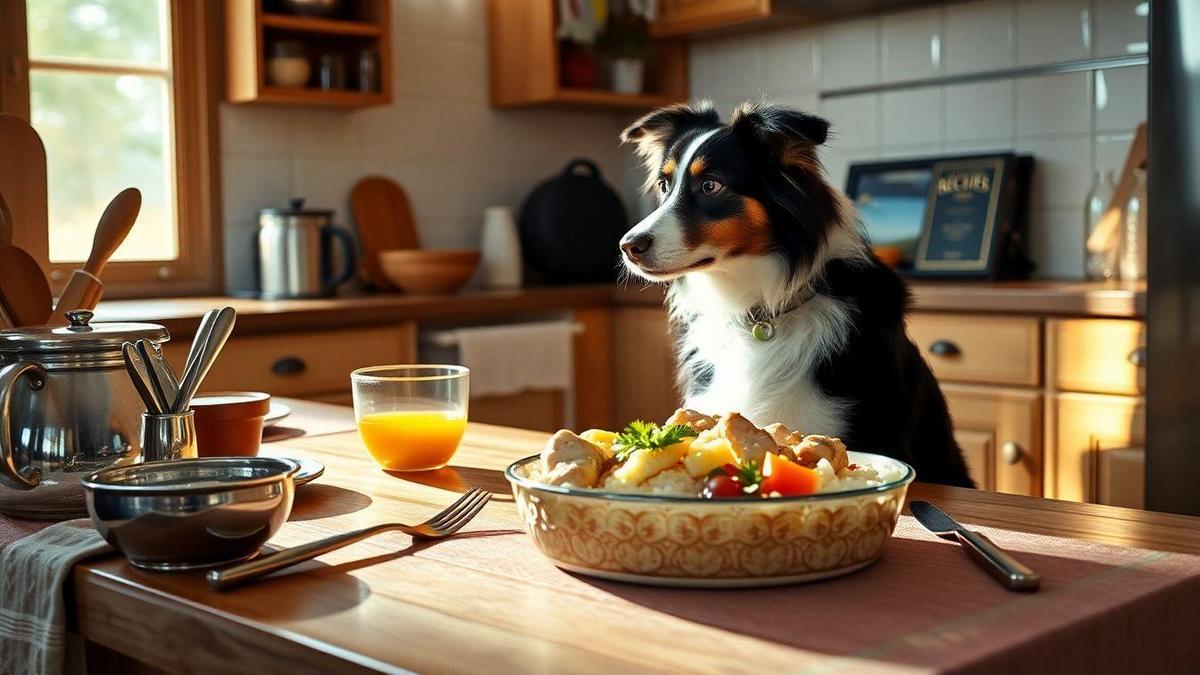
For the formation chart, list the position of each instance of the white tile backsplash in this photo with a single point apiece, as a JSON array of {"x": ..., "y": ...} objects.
[
  {"x": 911, "y": 116},
  {"x": 1056, "y": 242},
  {"x": 979, "y": 36},
  {"x": 850, "y": 53},
  {"x": 790, "y": 60},
  {"x": 1119, "y": 27},
  {"x": 854, "y": 121},
  {"x": 1120, "y": 98},
  {"x": 1062, "y": 172},
  {"x": 1110, "y": 151},
  {"x": 1054, "y": 104},
  {"x": 1050, "y": 31},
  {"x": 910, "y": 45},
  {"x": 980, "y": 111}
]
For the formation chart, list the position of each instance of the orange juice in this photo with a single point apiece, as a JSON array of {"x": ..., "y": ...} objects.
[{"x": 412, "y": 440}]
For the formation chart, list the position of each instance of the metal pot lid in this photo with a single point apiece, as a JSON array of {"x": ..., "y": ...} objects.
[
  {"x": 80, "y": 336},
  {"x": 296, "y": 208}
]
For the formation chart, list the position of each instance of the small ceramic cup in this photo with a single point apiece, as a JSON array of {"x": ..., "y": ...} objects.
[{"x": 230, "y": 423}]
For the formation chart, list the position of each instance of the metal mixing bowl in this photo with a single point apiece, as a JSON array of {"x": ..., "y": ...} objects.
[{"x": 192, "y": 513}]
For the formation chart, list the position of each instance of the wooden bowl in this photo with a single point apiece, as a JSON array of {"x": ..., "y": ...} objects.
[{"x": 428, "y": 272}]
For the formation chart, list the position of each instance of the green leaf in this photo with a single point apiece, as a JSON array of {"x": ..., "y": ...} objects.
[{"x": 642, "y": 435}]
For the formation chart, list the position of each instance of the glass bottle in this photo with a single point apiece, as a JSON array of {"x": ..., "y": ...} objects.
[
  {"x": 1100, "y": 249},
  {"x": 1132, "y": 262}
]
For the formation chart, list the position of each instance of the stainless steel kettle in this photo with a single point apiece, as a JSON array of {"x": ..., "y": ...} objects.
[
  {"x": 295, "y": 252},
  {"x": 67, "y": 408}
]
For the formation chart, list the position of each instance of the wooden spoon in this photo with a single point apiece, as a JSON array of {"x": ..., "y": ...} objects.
[
  {"x": 24, "y": 292},
  {"x": 385, "y": 221},
  {"x": 84, "y": 288}
]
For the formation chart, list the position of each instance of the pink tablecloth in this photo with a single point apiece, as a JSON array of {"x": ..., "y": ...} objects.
[
  {"x": 12, "y": 529},
  {"x": 926, "y": 605}
]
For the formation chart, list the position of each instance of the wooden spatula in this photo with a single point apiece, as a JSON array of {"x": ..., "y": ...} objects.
[
  {"x": 23, "y": 182},
  {"x": 23, "y": 288},
  {"x": 385, "y": 221},
  {"x": 84, "y": 287}
]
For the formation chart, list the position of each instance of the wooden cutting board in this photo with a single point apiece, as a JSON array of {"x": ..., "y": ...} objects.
[
  {"x": 385, "y": 221},
  {"x": 23, "y": 184}
]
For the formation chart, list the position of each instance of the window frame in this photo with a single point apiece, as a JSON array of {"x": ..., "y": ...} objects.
[{"x": 195, "y": 90}]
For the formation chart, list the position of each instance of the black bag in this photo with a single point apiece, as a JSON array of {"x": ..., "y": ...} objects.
[{"x": 571, "y": 226}]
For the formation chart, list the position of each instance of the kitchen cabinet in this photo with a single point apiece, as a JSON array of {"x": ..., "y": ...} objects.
[
  {"x": 1105, "y": 356},
  {"x": 524, "y": 58},
  {"x": 1086, "y": 429},
  {"x": 975, "y": 349},
  {"x": 251, "y": 33},
  {"x": 644, "y": 357},
  {"x": 1000, "y": 432},
  {"x": 680, "y": 17}
]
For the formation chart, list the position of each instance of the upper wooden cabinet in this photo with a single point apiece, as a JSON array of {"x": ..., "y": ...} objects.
[
  {"x": 526, "y": 63},
  {"x": 680, "y": 17},
  {"x": 251, "y": 33}
]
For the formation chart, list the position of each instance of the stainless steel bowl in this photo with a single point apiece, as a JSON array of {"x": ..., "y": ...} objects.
[{"x": 193, "y": 513}]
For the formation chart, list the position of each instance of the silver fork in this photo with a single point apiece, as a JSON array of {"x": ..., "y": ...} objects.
[{"x": 439, "y": 526}]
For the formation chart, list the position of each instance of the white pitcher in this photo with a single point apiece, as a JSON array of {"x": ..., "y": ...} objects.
[{"x": 501, "y": 248}]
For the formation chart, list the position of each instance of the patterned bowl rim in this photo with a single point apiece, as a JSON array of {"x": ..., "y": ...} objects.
[{"x": 510, "y": 473}]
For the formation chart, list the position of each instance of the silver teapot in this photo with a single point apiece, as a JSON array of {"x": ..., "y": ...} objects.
[{"x": 67, "y": 408}]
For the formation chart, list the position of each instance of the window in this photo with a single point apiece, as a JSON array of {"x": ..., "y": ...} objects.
[{"x": 117, "y": 90}]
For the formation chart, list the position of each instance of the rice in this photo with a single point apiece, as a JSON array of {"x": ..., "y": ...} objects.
[
  {"x": 670, "y": 482},
  {"x": 857, "y": 476}
]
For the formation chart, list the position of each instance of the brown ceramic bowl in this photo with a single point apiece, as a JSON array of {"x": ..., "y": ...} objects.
[
  {"x": 428, "y": 272},
  {"x": 230, "y": 423}
]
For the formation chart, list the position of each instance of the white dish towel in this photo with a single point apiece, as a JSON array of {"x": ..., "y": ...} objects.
[
  {"x": 512, "y": 358},
  {"x": 33, "y": 614}
]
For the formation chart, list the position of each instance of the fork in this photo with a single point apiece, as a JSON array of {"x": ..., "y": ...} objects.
[{"x": 439, "y": 526}]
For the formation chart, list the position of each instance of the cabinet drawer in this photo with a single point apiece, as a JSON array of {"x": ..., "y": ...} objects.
[
  {"x": 979, "y": 349},
  {"x": 1103, "y": 356},
  {"x": 299, "y": 364}
]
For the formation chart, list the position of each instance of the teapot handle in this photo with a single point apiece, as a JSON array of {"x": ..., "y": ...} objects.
[{"x": 22, "y": 478}]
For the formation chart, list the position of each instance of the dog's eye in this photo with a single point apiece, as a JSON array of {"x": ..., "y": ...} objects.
[
  {"x": 711, "y": 187},
  {"x": 663, "y": 185}
]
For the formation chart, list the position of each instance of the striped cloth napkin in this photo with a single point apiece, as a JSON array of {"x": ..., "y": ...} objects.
[{"x": 33, "y": 616}]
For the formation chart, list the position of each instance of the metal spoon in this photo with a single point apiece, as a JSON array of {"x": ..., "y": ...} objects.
[
  {"x": 162, "y": 377},
  {"x": 206, "y": 347},
  {"x": 139, "y": 372}
]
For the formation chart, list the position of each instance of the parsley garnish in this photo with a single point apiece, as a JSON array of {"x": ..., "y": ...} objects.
[{"x": 639, "y": 435}]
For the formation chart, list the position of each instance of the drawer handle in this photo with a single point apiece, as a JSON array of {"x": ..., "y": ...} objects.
[
  {"x": 944, "y": 348},
  {"x": 288, "y": 366},
  {"x": 1138, "y": 356},
  {"x": 1010, "y": 452}
]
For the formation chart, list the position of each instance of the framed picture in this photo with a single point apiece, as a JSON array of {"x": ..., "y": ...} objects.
[{"x": 954, "y": 236}]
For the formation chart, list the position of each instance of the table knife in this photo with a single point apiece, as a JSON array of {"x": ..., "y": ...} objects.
[{"x": 1010, "y": 572}]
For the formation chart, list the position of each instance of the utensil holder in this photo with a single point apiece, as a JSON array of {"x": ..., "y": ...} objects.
[{"x": 168, "y": 436}]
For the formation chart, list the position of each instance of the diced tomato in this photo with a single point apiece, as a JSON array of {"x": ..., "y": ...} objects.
[{"x": 788, "y": 478}]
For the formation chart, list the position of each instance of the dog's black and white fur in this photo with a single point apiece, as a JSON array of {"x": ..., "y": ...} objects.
[{"x": 748, "y": 229}]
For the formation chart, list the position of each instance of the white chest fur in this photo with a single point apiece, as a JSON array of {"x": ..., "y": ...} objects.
[{"x": 772, "y": 381}]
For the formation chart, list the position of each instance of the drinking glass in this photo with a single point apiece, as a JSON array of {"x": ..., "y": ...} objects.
[{"x": 411, "y": 417}]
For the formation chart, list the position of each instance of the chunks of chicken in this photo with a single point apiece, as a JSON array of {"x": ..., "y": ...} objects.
[
  {"x": 815, "y": 448},
  {"x": 779, "y": 432},
  {"x": 570, "y": 460},
  {"x": 696, "y": 420},
  {"x": 749, "y": 442}
]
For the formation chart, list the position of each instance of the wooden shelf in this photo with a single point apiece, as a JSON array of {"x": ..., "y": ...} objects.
[
  {"x": 318, "y": 97},
  {"x": 601, "y": 98},
  {"x": 304, "y": 24}
]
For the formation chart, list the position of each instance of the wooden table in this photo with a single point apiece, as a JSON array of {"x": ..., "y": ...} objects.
[{"x": 353, "y": 611}]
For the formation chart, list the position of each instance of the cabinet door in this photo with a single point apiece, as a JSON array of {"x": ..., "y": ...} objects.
[
  {"x": 1000, "y": 432},
  {"x": 680, "y": 17},
  {"x": 1085, "y": 427},
  {"x": 1102, "y": 356},
  {"x": 644, "y": 354}
]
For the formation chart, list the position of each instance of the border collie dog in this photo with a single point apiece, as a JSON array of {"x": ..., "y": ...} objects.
[{"x": 781, "y": 310}]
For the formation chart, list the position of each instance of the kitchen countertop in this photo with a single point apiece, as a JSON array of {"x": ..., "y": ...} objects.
[
  {"x": 181, "y": 315},
  {"x": 387, "y": 604}
]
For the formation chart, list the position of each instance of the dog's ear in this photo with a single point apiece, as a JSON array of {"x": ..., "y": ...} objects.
[
  {"x": 787, "y": 136},
  {"x": 653, "y": 133}
]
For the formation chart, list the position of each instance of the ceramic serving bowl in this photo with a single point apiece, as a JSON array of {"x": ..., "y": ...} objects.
[
  {"x": 723, "y": 543},
  {"x": 193, "y": 513},
  {"x": 420, "y": 271}
]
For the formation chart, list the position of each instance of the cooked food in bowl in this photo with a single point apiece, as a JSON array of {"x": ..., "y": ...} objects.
[
  {"x": 712, "y": 457},
  {"x": 708, "y": 501}
]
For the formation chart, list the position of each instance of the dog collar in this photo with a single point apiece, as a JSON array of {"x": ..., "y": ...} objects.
[{"x": 761, "y": 324}]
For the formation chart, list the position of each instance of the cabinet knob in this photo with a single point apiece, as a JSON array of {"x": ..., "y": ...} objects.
[
  {"x": 944, "y": 348},
  {"x": 1010, "y": 452},
  {"x": 289, "y": 365},
  {"x": 1138, "y": 356}
]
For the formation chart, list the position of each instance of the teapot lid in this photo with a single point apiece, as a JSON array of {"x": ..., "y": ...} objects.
[
  {"x": 80, "y": 338},
  {"x": 295, "y": 207}
]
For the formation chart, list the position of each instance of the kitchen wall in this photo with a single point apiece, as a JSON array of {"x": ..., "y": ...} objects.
[
  {"x": 1072, "y": 123},
  {"x": 440, "y": 139}
]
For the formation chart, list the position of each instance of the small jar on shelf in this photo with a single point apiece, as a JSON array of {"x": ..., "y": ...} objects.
[
  {"x": 1101, "y": 240},
  {"x": 1132, "y": 262}
]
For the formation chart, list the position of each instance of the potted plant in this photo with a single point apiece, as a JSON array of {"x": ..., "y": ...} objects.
[{"x": 626, "y": 41}]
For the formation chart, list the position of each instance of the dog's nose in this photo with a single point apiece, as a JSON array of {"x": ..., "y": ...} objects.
[{"x": 635, "y": 247}]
